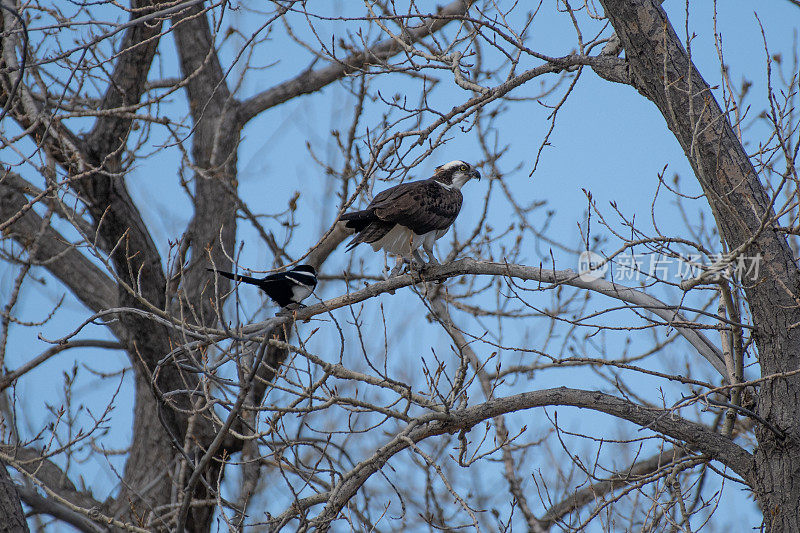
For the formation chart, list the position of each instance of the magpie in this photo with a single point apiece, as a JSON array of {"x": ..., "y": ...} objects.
[{"x": 286, "y": 289}]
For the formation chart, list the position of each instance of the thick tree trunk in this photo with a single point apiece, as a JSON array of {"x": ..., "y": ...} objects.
[
  {"x": 12, "y": 519},
  {"x": 661, "y": 70},
  {"x": 212, "y": 231}
]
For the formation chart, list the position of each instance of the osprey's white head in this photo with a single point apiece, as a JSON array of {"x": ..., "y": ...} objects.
[{"x": 455, "y": 174}]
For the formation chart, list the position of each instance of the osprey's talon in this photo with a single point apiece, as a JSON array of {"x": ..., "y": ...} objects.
[
  {"x": 424, "y": 270},
  {"x": 416, "y": 267},
  {"x": 398, "y": 267},
  {"x": 432, "y": 261},
  {"x": 420, "y": 270}
]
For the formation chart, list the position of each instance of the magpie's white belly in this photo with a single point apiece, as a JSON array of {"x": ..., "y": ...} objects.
[
  {"x": 402, "y": 241},
  {"x": 300, "y": 293}
]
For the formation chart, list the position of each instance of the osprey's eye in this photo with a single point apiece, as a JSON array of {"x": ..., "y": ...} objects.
[{"x": 463, "y": 168}]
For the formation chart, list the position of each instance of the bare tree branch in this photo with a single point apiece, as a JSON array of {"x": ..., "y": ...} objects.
[
  {"x": 48, "y": 473},
  {"x": 636, "y": 298},
  {"x": 64, "y": 261},
  {"x": 597, "y": 490},
  {"x": 128, "y": 81},
  {"x": 42, "y": 505},
  {"x": 312, "y": 81},
  {"x": 11, "y": 376},
  {"x": 663, "y": 421}
]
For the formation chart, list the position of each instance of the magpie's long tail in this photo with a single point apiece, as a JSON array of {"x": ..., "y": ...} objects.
[{"x": 237, "y": 277}]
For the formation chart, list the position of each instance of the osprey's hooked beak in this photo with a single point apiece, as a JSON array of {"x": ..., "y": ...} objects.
[{"x": 475, "y": 174}]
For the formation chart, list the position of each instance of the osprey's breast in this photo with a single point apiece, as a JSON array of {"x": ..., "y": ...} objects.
[{"x": 402, "y": 240}]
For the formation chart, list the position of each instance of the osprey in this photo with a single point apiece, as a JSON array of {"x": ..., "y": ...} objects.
[
  {"x": 287, "y": 289},
  {"x": 401, "y": 219}
]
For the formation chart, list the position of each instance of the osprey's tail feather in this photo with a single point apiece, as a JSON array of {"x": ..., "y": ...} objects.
[
  {"x": 357, "y": 220},
  {"x": 371, "y": 231}
]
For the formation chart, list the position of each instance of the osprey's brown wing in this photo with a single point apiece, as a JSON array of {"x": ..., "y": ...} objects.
[{"x": 422, "y": 206}]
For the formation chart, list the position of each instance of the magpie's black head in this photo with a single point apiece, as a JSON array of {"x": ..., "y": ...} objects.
[
  {"x": 304, "y": 268},
  {"x": 455, "y": 174}
]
